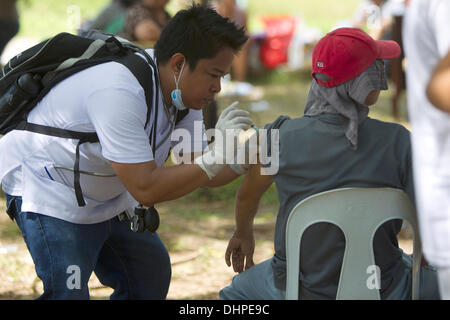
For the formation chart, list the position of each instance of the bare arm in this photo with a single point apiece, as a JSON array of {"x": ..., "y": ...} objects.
[
  {"x": 241, "y": 245},
  {"x": 225, "y": 176},
  {"x": 248, "y": 197},
  {"x": 149, "y": 184},
  {"x": 438, "y": 89}
]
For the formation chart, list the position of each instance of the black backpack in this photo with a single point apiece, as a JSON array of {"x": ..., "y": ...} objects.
[{"x": 30, "y": 75}]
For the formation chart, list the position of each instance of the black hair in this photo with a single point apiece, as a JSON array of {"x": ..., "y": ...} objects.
[{"x": 198, "y": 32}]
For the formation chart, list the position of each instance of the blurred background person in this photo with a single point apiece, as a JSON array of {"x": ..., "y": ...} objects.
[
  {"x": 145, "y": 20},
  {"x": 111, "y": 18},
  {"x": 375, "y": 16},
  {"x": 236, "y": 13},
  {"x": 427, "y": 42},
  {"x": 9, "y": 22}
]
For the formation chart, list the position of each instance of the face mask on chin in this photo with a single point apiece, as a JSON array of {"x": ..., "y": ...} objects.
[{"x": 177, "y": 101}]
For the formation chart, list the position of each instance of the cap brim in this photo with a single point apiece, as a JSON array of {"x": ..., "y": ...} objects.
[{"x": 388, "y": 49}]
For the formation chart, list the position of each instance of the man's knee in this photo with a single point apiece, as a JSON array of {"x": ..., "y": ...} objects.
[{"x": 231, "y": 292}]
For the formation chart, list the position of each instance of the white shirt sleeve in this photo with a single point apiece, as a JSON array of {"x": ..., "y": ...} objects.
[
  {"x": 440, "y": 19},
  {"x": 118, "y": 116}
]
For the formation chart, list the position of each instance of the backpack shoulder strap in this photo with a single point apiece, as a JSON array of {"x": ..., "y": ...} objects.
[{"x": 82, "y": 137}]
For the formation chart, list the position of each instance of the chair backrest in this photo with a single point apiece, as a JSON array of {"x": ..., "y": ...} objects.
[{"x": 358, "y": 212}]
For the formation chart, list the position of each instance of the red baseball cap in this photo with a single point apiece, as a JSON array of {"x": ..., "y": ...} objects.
[{"x": 345, "y": 53}]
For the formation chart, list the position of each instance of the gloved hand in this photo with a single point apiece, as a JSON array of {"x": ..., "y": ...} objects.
[
  {"x": 231, "y": 119},
  {"x": 247, "y": 153}
]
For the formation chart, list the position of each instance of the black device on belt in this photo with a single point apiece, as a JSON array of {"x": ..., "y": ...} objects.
[{"x": 145, "y": 219}]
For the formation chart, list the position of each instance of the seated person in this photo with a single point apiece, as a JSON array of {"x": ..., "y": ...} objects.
[
  {"x": 145, "y": 21},
  {"x": 334, "y": 145}
]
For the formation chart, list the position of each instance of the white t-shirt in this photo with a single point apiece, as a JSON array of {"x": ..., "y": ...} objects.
[
  {"x": 106, "y": 99},
  {"x": 426, "y": 38}
]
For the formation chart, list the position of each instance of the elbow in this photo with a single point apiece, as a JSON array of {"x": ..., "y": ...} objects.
[
  {"x": 143, "y": 192},
  {"x": 142, "y": 196},
  {"x": 147, "y": 202},
  {"x": 438, "y": 96}
]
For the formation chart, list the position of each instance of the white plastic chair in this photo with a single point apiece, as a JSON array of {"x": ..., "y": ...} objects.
[{"x": 358, "y": 212}]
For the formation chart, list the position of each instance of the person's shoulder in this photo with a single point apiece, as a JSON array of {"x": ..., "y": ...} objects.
[
  {"x": 277, "y": 123},
  {"x": 386, "y": 124},
  {"x": 380, "y": 127},
  {"x": 287, "y": 123}
]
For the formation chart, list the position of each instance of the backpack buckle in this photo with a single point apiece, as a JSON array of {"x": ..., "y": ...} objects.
[{"x": 113, "y": 45}]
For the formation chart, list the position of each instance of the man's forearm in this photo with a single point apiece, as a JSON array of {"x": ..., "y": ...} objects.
[
  {"x": 248, "y": 198},
  {"x": 149, "y": 184},
  {"x": 245, "y": 212},
  {"x": 174, "y": 182},
  {"x": 223, "y": 177}
]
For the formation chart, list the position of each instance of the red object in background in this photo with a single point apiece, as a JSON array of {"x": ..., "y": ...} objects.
[{"x": 279, "y": 31}]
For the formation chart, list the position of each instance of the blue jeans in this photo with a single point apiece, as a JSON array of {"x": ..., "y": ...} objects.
[
  {"x": 257, "y": 283},
  {"x": 135, "y": 265}
]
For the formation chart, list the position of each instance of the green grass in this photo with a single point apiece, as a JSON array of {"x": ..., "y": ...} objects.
[
  {"x": 44, "y": 18},
  {"x": 8, "y": 230},
  {"x": 322, "y": 14}
]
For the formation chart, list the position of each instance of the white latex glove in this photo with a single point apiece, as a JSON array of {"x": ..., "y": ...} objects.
[
  {"x": 230, "y": 119},
  {"x": 249, "y": 153}
]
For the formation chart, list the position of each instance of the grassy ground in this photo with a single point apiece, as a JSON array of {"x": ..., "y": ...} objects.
[
  {"x": 44, "y": 18},
  {"x": 197, "y": 227},
  {"x": 322, "y": 14}
]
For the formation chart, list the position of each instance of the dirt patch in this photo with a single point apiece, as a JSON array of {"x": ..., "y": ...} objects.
[{"x": 196, "y": 246}]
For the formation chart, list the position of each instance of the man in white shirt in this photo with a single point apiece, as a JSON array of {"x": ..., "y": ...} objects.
[
  {"x": 426, "y": 42},
  {"x": 68, "y": 241}
]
